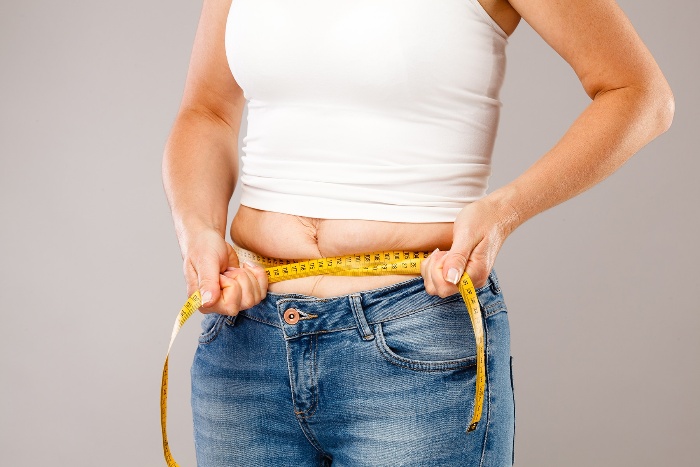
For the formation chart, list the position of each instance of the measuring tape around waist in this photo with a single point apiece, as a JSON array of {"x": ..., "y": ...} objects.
[{"x": 364, "y": 264}]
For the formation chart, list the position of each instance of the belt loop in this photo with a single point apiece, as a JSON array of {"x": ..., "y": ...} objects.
[{"x": 358, "y": 312}]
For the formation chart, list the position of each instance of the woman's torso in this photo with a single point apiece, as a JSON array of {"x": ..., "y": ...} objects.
[
  {"x": 289, "y": 236},
  {"x": 279, "y": 235}
]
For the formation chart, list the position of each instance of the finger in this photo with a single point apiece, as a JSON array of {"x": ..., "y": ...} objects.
[
  {"x": 425, "y": 272},
  {"x": 437, "y": 274},
  {"x": 248, "y": 284},
  {"x": 479, "y": 265},
  {"x": 231, "y": 295},
  {"x": 455, "y": 262},
  {"x": 207, "y": 268},
  {"x": 261, "y": 275},
  {"x": 454, "y": 265},
  {"x": 433, "y": 273},
  {"x": 192, "y": 281}
]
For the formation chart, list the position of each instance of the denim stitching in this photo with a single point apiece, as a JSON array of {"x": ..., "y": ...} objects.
[
  {"x": 487, "y": 314},
  {"x": 309, "y": 436},
  {"x": 419, "y": 365},
  {"x": 499, "y": 306},
  {"x": 320, "y": 331},
  {"x": 301, "y": 420},
  {"x": 488, "y": 395},
  {"x": 314, "y": 374},
  {"x": 213, "y": 332},
  {"x": 290, "y": 297},
  {"x": 296, "y": 296},
  {"x": 358, "y": 312},
  {"x": 447, "y": 300},
  {"x": 259, "y": 320},
  {"x": 311, "y": 381}
]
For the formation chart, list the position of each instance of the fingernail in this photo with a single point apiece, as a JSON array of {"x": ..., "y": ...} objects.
[
  {"x": 231, "y": 268},
  {"x": 453, "y": 275},
  {"x": 436, "y": 249},
  {"x": 250, "y": 264},
  {"x": 206, "y": 297}
]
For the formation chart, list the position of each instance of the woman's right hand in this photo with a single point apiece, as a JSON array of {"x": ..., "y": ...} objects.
[{"x": 211, "y": 266}]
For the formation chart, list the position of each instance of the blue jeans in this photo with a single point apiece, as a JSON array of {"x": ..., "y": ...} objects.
[{"x": 382, "y": 377}]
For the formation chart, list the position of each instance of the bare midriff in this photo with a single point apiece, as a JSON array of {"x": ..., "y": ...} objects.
[{"x": 286, "y": 236}]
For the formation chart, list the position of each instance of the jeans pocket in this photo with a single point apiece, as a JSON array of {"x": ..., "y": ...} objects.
[
  {"x": 211, "y": 326},
  {"x": 434, "y": 338}
]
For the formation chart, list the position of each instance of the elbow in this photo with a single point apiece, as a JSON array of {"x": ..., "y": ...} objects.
[
  {"x": 661, "y": 106},
  {"x": 666, "y": 109}
]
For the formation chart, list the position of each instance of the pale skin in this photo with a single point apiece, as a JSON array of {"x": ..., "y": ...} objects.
[{"x": 631, "y": 104}]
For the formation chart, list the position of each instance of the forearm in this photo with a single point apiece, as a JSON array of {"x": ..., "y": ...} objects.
[
  {"x": 611, "y": 129},
  {"x": 200, "y": 169}
]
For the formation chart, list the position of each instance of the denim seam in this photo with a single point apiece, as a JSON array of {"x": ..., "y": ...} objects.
[
  {"x": 259, "y": 320},
  {"x": 419, "y": 365},
  {"x": 291, "y": 376},
  {"x": 486, "y": 309},
  {"x": 213, "y": 332},
  {"x": 488, "y": 312},
  {"x": 318, "y": 331},
  {"x": 488, "y": 396},
  {"x": 311, "y": 381},
  {"x": 306, "y": 429},
  {"x": 302, "y": 419},
  {"x": 358, "y": 312},
  {"x": 230, "y": 320},
  {"x": 416, "y": 310},
  {"x": 371, "y": 323},
  {"x": 499, "y": 306}
]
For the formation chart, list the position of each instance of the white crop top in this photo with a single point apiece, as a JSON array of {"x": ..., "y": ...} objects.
[{"x": 366, "y": 109}]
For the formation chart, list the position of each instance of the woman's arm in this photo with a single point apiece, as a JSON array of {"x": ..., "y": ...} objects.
[
  {"x": 200, "y": 169},
  {"x": 631, "y": 105},
  {"x": 200, "y": 163}
]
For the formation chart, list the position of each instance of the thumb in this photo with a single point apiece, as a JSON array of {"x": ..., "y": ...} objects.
[
  {"x": 453, "y": 265},
  {"x": 455, "y": 261},
  {"x": 208, "y": 280}
]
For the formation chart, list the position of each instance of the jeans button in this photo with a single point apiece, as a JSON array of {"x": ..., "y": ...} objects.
[{"x": 291, "y": 316}]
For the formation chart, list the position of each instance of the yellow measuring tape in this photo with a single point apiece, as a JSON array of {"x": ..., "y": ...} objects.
[{"x": 365, "y": 264}]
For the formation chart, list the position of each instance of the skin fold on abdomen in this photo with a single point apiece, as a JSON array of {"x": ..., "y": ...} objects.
[{"x": 287, "y": 236}]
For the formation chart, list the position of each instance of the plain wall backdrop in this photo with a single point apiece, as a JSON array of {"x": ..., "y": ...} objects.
[{"x": 601, "y": 290}]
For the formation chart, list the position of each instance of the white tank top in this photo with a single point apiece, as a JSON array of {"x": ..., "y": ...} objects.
[{"x": 366, "y": 109}]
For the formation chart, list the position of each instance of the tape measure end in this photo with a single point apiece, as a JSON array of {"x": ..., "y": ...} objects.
[{"x": 472, "y": 427}]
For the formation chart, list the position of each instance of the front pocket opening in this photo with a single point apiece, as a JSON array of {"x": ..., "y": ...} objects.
[{"x": 414, "y": 362}]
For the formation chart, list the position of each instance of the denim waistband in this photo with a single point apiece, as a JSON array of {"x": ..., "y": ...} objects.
[{"x": 349, "y": 311}]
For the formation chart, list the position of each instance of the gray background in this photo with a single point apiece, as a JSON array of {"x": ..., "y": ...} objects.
[{"x": 601, "y": 289}]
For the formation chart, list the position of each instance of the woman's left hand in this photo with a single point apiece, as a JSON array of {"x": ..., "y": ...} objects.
[{"x": 480, "y": 229}]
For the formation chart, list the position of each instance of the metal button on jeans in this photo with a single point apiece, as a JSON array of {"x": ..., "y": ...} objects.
[{"x": 291, "y": 316}]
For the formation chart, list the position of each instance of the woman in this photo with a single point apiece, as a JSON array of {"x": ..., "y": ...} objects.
[{"x": 370, "y": 128}]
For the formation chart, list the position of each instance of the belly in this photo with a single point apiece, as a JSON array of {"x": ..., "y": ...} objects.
[{"x": 286, "y": 236}]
